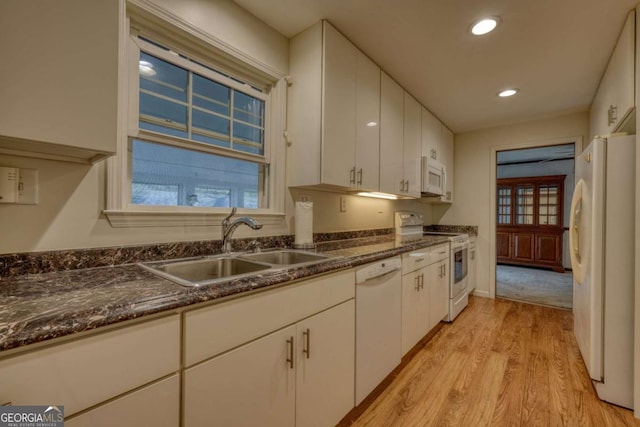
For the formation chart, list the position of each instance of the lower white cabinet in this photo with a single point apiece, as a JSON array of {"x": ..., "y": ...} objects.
[
  {"x": 156, "y": 405},
  {"x": 438, "y": 292},
  {"x": 82, "y": 373},
  {"x": 300, "y": 375},
  {"x": 425, "y": 292},
  {"x": 415, "y": 308}
]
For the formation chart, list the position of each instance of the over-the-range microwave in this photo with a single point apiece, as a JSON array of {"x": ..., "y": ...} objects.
[{"x": 434, "y": 177}]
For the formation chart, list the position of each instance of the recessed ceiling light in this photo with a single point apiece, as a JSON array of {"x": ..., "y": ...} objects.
[
  {"x": 508, "y": 92},
  {"x": 484, "y": 25}
]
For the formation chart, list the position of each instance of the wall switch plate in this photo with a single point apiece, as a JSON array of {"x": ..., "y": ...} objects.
[
  {"x": 28, "y": 191},
  {"x": 9, "y": 184},
  {"x": 343, "y": 204}
]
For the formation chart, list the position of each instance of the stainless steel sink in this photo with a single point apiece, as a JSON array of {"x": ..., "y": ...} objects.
[
  {"x": 288, "y": 257},
  {"x": 205, "y": 271}
]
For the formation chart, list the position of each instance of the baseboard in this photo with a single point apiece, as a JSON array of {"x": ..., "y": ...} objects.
[{"x": 481, "y": 293}]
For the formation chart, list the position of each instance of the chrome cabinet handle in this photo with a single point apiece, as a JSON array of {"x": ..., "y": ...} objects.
[
  {"x": 402, "y": 186},
  {"x": 290, "y": 351},
  {"x": 422, "y": 281},
  {"x": 360, "y": 177},
  {"x": 407, "y": 183},
  {"x": 307, "y": 342},
  {"x": 418, "y": 259},
  {"x": 417, "y": 280},
  {"x": 352, "y": 176}
]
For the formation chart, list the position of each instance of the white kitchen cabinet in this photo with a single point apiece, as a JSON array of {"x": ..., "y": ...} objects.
[
  {"x": 438, "y": 292},
  {"x": 425, "y": 292},
  {"x": 473, "y": 264},
  {"x": 300, "y": 375},
  {"x": 289, "y": 352},
  {"x": 437, "y": 143},
  {"x": 63, "y": 102},
  {"x": 411, "y": 146},
  {"x": 400, "y": 131},
  {"x": 88, "y": 371},
  {"x": 391, "y": 136},
  {"x": 249, "y": 386},
  {"x": 415, "y": 307},
  {"x": 333, "y": 113},
  {"x": 613, "y": 106},
  {"x": 325, "y": 366},
  {"x": 156, "y": 405}
]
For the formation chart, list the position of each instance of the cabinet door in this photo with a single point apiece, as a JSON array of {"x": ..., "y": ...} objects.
[
  {"x": 548, "y": 249},
  {"x": 431, "y": 134},
  {"x": 67, "y": 103},
  {"x": 339, "y": 109},
  {"x": 249, "y": 386},
  {"x": 471, "y": 272},
  {"x": 415, "y": 308},
  {"x": 438, "y": 292},
  {"x": 523, "y": 247},
  {"x": 367, "y": 124},
  {"x": 325, "y": 377},
  {"x": 411, "y": 145},
  {"x": 391, "y": 131},
  {"x": 503, "y": 245},
  {"x": 448, "y": 160},
  {"x": 156, "y": 405}
]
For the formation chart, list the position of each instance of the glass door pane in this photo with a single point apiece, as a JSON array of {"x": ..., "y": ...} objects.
[
  {"x": 504, "y": 206},
  {"x": 548, "y": 205},
  {"x": 524, "y": 205}
]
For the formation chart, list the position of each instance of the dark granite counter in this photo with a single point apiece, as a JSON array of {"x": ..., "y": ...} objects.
[{"x": 39, "y": 307}]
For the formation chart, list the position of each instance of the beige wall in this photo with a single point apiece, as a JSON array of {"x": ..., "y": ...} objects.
[
  {"x": 72, "y": 196},
  {"x": 475, "y": 178}
]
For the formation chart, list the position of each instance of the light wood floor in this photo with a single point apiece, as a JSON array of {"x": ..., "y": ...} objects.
[{"x": 501, "y": 363}]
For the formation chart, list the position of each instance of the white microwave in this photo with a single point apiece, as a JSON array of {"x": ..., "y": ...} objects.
[{"x": 434, "y": 177}]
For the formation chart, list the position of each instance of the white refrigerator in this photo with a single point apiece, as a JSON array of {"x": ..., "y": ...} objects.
[{"x": 602, "y": 230}]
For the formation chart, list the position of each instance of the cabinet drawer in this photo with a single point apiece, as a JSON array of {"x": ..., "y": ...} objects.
[
  {"x": 415, "y": 260},
  {"x": 212, "y": 330},
  {"x": 157, "y": 405},
  {"x": 85, "y": 372},
  {"x": 438, "y": 253}
]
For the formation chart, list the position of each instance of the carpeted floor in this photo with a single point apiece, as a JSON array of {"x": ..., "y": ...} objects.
[{"x": 534, "y": 285}]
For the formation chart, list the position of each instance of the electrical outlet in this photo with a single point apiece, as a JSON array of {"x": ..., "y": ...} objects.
[{"x": 343, "y": 204}]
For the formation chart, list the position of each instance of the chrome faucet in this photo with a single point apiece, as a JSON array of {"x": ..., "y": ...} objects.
[{"x": 229, "y": 227}]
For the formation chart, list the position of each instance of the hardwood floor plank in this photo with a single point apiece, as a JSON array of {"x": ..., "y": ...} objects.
[{"x": 500, "y": 363}]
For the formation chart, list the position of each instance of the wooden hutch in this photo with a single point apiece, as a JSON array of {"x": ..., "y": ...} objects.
[{"x": 529, "y": 223}]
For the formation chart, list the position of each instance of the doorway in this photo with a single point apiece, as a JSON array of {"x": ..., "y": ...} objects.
[{"x": 533, "y": 190}]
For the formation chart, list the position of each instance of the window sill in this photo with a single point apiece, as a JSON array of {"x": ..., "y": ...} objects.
[{"x": 167, "y": 218}]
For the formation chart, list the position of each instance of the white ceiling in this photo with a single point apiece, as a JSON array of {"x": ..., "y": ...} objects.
[{"x": 554, "y": 51}]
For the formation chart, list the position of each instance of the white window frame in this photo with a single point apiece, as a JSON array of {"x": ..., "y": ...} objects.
[{"x": 152, "y": 23}]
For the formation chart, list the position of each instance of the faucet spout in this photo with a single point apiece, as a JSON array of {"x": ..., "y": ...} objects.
[{"x": 229, "y": 227}]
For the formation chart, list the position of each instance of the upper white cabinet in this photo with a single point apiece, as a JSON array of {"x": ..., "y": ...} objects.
[
  {"x": 411, "y": 146},
  {"x": 333, "y": 112},
  {"x": 437, "y": 143},
  {"x": 614, "y": 102},
  {"x": 59, "y": 80},
  {"x": 391, "y": 136},
  {"x": 400, "y": 131}
]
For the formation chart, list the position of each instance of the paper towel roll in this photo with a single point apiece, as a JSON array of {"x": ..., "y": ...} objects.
[{"x": 304, "y": 224}]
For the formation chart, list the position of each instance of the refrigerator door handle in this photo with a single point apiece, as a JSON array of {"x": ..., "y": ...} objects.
[{"x": 575, "y": 221}]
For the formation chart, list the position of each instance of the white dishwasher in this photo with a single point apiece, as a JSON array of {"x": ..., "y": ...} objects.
[{"x": 378, "y": 323}]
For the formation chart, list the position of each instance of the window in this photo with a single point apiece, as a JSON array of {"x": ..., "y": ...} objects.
[
  {"x": 199, "y": 134},
  {"x": 201, "y": 129}
]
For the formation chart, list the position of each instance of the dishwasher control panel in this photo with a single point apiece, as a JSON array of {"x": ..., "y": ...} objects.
[{"x": 376, "y": 269}]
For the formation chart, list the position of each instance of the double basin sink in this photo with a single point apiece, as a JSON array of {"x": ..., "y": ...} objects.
[{"x": 203, "y": 271}]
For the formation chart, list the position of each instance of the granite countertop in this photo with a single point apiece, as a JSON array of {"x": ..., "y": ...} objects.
[{"x": 39, "y": 307}]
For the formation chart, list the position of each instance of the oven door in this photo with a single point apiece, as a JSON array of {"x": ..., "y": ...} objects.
[{"x": 459, "y": 263}]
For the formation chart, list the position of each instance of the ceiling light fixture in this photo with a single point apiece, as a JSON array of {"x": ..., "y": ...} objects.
[
  {"x": 484, "y": 25},
  {"x": 508, "y": 92},
  {"x": 372, "y": 124}
]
